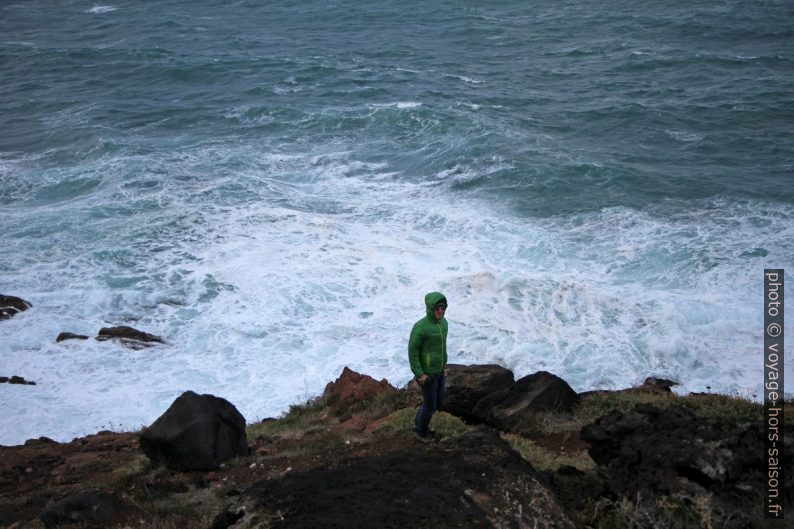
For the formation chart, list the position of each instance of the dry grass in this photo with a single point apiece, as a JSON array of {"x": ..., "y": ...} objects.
[
  {"x": 299, "y": 420},
  {"x": 543, "y": 459},
  {"x": 593, "y": 406}
]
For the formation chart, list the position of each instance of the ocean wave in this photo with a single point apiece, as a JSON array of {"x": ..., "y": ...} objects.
[{"x": 96, "y": 10}]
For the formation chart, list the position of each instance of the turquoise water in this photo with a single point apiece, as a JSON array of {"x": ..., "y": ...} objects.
[{"x": 273, "y": 188}]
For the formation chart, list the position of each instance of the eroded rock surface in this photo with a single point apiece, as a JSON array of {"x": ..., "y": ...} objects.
[
  {"x": 466, "y": 385},
  {"x": 671, "y": 452},
  {"x": 197, "y": 432},
  {"x": 514, "y": 408},
  {"x": 353, "y": 391}
]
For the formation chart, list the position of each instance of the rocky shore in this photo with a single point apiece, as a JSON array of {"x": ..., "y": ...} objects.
[{"x": 527, "y": 453}]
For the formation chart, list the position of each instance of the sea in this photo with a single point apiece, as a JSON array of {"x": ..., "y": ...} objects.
[{"x": 273, "y": 187}]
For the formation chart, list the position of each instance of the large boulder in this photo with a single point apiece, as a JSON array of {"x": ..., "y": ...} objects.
[
  {"x": 11, "y": 305},
  {"x": 466, "y": 385},
  {"x": 515, "y": 408},
  {"x": 653, "y": 453},
  {"x": 197, "y": 432},
  {"x": 353, "y": 391}
]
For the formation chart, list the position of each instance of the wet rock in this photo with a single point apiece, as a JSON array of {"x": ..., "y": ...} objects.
[
  {"x": 466, "y": 385},
  {"x": 353, "y": 391},
  {"x": 82, "y": 507},
  {"x": 16, "y": 380},
  {"x": 70, "y": 336},
  {"x": 11, "y": 305},
  {"x": 671, "y": 452},
  {"x": 657, "y": 385},
  {"x": 128, "y": 336},
  {"x": 197, "y": 432},
  {"x": 514, "y": 408}
]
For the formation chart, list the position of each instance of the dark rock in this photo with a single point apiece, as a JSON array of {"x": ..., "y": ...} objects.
[
  {"x": 227, "y": 518},
  {"x": 654, "y": 452},
  {"x": 82, "y": 507},
  {"x": 353, "y": 391},
  {"x": 41, "y": 441},
  {"x": 474, "y": 481},
  {"x": 197, "y": 432},
  {"x": 70, "y": 336},
  {"x": 128, "y": 336},
  {"x": 11, "y": 305},
  {"x": 568, "y": 470},
  {"x": 466, "y": 385},
  {"x": 514, "y": 408},
  {"x": 17, "y": 380},
  {"x": 657, "y": 385}
]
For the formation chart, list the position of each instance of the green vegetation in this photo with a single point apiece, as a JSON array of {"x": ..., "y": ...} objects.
[
  {"x": 131, "y": 468},
  {"x": 443, "y": 423}
]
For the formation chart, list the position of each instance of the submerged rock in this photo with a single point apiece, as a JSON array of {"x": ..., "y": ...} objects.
[
  {"x": 70, "y": 336},
  {"x": 16, "y": 380},
  {"x": 197, "y": 432},
  {"x": 128, "y": 336},
  {"x": 11, "y": 305}
]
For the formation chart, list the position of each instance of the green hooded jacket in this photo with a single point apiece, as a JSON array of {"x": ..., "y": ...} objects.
[{"x": 427, "y": 346}]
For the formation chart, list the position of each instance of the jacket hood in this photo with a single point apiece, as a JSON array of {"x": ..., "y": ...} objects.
[{"x": 431, "y": 300}]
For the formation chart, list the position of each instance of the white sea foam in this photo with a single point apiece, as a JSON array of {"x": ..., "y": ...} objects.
[
  {"x": 465, "y": 79},
  {"x": 397, "y": 104},
  {"x": 101, "y": 9},
  {"x": 325, "y": 265}
]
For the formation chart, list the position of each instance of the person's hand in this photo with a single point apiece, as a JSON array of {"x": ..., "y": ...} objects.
[{"x": 421, "y": 380}]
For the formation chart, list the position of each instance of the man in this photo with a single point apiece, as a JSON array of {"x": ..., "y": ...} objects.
[{"x": 427, "y": 354}]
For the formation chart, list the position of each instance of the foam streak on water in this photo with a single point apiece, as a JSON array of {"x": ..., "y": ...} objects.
[{"x": 596, "y": 192}]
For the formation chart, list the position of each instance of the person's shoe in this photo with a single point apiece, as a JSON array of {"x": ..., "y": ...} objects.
[
  {"x": 434, "y": 434},
  {"x": 426, "y": 438}
]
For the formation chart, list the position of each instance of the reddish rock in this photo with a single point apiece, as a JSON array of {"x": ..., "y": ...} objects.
[{"x": 354, "y": 391}]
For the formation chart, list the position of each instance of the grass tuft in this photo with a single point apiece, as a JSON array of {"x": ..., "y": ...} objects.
[
  {"x": 443, "y": 423},
  {"x": 543, "y": 459},
  {"x": 298, "y": 420}
]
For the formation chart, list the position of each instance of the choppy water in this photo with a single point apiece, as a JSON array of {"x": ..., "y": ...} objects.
[{"x": 273, "y": 189}]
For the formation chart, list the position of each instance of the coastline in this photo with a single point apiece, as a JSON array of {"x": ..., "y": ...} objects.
[{"x": 563, "y": 469}]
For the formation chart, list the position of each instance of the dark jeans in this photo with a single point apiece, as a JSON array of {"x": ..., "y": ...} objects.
[{"x": 433, "y": 393}]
